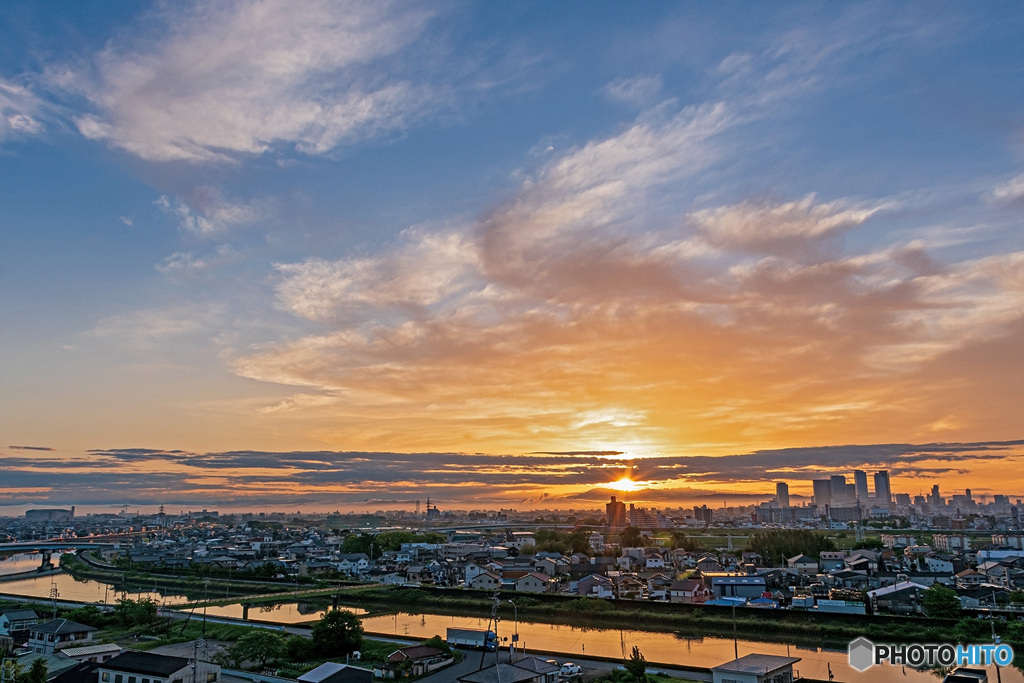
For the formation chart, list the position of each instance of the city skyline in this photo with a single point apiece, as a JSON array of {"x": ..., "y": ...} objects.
[{"x": 262, "y": 252}]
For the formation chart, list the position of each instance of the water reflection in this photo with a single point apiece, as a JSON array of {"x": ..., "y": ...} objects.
[
  {"x": 669, "y": 648},
  {"x": 68, "y": 588},
  {"x": 281, "y": 613},
  {"x": 25, "y": 562}
]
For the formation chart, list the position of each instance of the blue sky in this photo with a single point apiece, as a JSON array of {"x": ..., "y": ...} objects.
[{"x": 663, "y": 230}]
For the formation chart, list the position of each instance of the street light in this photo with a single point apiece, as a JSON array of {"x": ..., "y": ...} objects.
[{"x": 515, "y": 634}]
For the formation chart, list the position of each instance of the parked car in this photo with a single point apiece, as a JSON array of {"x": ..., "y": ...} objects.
[{"x": 569, "y": 669}]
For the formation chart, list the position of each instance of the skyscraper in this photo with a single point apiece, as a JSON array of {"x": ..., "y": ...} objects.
[
  {"x": 837, "y": 483},
  {"x": 883, "y": 494},
  {"x": 822, "y": 492},
  {"x": 860, "y": 481},
  {"x": 615, "y": 513},
  {"x": 782, "y": 494}
]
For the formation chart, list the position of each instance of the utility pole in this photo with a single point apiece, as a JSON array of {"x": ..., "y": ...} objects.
[
  {"x": 995, "y": 639},
  {"x": 53, "y": 597},
  {"x": 735, "y": 643}
]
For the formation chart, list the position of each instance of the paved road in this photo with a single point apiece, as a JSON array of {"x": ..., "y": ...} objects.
[{"x": 471, "y": 662}]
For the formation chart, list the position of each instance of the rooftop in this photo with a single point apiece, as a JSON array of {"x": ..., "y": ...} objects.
[
  {"x": 61, "y": 626},
  {"x": 133, "y": 661},
  {"x": 756, "y": 664}
]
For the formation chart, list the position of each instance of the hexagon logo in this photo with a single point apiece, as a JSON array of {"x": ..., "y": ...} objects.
[{"x": 862, "y": 654}]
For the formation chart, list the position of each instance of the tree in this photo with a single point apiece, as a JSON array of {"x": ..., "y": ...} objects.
[
  {"x": 631, "y": 538},
  {"x": 636, "y": 665},
  {"x": 579, "y": 541},
  {"x": 941, "y": 602},
  {"x": 298, "y": 649},
  {"x": 358, "y": 544},
  {"x": 339, "y": 633},
  {"x": 35, "y": 674},
  {"x": 870, "y": 544},
  {"x": 439, "y": 643},
  {"x": 258, "y": 645},
  {"x": 128, "y": 612},
  {"x": 681, "y": 541},
  {"x": 90, "y": 615},
  {"x": 777, "y": 544}
]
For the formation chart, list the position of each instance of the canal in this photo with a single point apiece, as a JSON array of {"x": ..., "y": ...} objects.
[{"x": 567, "y": 641}]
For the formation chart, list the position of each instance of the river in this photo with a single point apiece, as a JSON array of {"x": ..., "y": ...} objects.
[{"x": 571, "y": 641}]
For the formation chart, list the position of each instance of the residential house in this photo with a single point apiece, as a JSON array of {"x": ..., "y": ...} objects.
[
  {"x": 147, "y": 667},
  {"x": 534, "y": 582},
  {"x": 17, "y": 622},
  {"x": 596, "y": 586},
  {"x": 420, "y": 659},
  {"x": 55, "y": 666},
  {"x": 544, "y": 668},
  {"x": 901, "y": 598},
  {"x": 983, "y": 597},
  {"x": 738, "y": 586},
  {"x": 689, "y": 592},
  {"x": 803, "y": 565},
  {"x": 486, "y": 581},
  {"x": 528, "y": 670},
  {"x": 829, "y": 560},
  {"x": 970, "y": 578},
  {"x": 862, "y": 560},
  {"x": 658, "y": 585},
  {"x": 333, "y": 672},
  {"x": 629, "y": 587},
  {"x": 756, "y": 668},
  {"x": 709, "y": 563},
  {"x": 56, "y": 634},
  {"x": 354, "y": 564},
  {"x": 548, "y": 566},
  {"x": 947, "y": 564},
  {"x": 91, "y": 653}
]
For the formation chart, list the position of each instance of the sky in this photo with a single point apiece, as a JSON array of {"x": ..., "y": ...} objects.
[{"x": 322, "y": 254}]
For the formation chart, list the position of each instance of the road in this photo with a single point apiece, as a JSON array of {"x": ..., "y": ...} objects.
[{"x": 591, "y": 668}]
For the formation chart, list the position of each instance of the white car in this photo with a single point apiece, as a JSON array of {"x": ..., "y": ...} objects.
[{"x": 569, "y": 669}]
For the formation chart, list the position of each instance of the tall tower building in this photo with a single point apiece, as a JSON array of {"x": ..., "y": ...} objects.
[
  {"x": 837, "y": 483},
  {"x": 883, "y": 494},
  {"x": 615, "y": 514},
  {"x": 782, "y": 494},
  {"x": 860, "y": 481},
  {"x": 822, "y": 493}
]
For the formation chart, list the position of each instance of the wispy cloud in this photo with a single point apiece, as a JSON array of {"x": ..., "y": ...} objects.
[
  {"x": 244, "y": 77},
  {"x": 20, "y": 111},
  {"x": 639, "y": 91},
  {"x": 210, "y": 214},
  {"x": 1011, "y": 190},
  {"x": 185, "y": 264},
  {"x": 148, "y": 328},
  {"x": 567, "y": 313}
]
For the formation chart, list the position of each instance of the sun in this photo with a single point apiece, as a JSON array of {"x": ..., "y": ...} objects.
[{"x": 624, "y": 484}]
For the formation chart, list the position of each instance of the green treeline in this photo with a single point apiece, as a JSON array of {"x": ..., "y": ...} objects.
[{"x": 778, "y": 545}]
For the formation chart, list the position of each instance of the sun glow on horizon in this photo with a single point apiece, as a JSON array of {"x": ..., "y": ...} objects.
[{"x": 624, "y": 484}]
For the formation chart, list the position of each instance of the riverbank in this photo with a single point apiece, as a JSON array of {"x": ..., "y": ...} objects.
[
  {"x": 82, "y": 566},
  {"x": 29, "y": 574},
  {"x": 803, "y": 627},
  {"x": 765, "y": 625}
]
